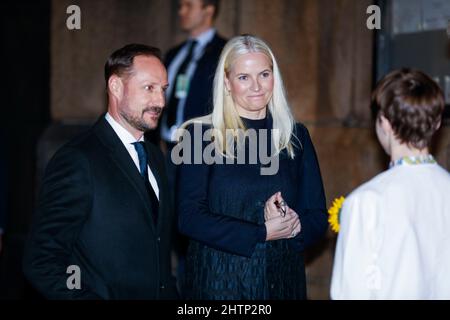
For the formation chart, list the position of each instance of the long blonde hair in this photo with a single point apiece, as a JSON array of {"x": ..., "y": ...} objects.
[{"x": 225, "y": 116}]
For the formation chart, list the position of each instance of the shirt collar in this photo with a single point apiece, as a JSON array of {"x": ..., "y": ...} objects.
[
  {"x": 205, "y": 37},
  {"x": 412, "y": 160},
  {"x": 124, "y": 136}
]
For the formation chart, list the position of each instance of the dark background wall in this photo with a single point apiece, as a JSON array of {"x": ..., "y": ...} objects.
[
  {"x": 25, "y": 57},
  {"x": 54, "y": 87}
]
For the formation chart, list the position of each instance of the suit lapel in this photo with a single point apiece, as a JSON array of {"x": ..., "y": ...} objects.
[{"x": 120, "y": 156}]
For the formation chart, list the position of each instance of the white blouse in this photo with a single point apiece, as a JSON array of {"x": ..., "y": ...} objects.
[{"x": 394, "y": 240}]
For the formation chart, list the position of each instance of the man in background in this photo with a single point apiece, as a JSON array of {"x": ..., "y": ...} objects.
[{"x": 191, "y": 67}]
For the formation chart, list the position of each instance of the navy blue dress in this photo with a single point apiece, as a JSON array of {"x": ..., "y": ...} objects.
[{"x": 221, "y": 209}]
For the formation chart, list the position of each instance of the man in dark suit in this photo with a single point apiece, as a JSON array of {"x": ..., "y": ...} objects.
[
  {"x": 191, "y": 66},
  {"x": 104, "y": 222}
]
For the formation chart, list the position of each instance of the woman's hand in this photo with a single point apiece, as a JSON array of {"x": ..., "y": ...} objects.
[
  {"x": 283, "y": 227},
  {"x": 274, "y": 207},
  {"x": 297, "y": 226}
]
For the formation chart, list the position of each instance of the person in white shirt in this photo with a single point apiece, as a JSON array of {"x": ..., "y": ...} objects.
[{"x": 395, "y": 229}]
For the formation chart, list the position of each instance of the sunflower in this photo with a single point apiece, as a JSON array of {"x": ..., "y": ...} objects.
[{"x": 334, "y": 212}]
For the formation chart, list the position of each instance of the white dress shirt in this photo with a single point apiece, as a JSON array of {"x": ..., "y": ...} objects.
[
  {"x": 394, "y": 240},
  {"x": 128, "y": 140}
]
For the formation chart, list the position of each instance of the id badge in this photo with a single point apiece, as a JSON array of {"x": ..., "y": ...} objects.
[{"x": 182, "y": 86}]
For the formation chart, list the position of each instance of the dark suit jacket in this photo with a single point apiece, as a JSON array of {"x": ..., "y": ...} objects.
[
  {"x": 199, "y": 99},
  {"x": 94, "y": 212}
]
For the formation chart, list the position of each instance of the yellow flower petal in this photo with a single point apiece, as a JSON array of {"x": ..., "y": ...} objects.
[{"x": 334, "y": 212}]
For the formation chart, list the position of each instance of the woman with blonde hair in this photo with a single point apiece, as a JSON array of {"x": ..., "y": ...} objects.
[{"x": 253, "y": 209}]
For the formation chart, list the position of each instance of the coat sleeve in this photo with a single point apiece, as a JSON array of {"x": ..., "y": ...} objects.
[
  {"x": 199, "y": 223},
  {"x": 311, "y": 198},
  {"x": 64, "y": 204}
]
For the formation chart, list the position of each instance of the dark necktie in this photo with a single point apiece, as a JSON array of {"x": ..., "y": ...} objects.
[
  {"x": 173, "y": 100},
  {"x": 143, "y": 162}
]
